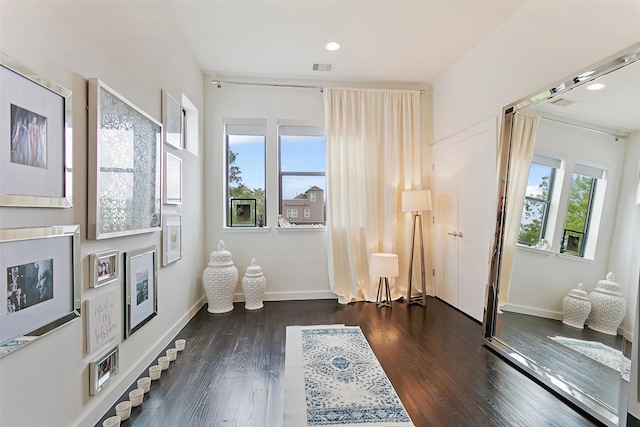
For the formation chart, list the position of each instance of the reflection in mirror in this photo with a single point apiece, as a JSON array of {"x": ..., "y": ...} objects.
[{"x": 569, "y": 163}]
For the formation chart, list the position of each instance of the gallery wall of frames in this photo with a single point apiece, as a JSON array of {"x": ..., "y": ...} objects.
[{"x": 134, "y": 171}]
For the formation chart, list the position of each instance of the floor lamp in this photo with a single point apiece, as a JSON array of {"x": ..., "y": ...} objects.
[
  {"x": 416, "y": 201},
  {"x": 384, "y": 265}
]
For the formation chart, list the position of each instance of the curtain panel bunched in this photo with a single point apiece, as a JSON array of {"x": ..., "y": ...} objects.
[
  {"x": 374, "y": 152},
  {"x": 523, "y": 136}
]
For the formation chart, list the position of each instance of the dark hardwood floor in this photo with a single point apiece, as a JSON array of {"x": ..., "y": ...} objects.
[
  {"x": 530, "y": 336},
  {"x": 232, "y": 370}
]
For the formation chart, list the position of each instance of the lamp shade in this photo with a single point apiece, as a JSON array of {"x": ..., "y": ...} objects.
[
  {"x": 416, "y": 200},
  {"x": 384, "y": 265}
]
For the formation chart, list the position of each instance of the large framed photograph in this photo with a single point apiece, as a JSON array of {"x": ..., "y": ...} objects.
[
  {"x": 124, "y": 166},
  {"x": 102, "y": 314},
  {"x": 243, "y": 213},
  {"x": 102, "y": 370},
  {"x": 141, "y": 288},
  {"x": 103, "y": 268},
  {"x": 35, "y": 147},
  {"x": 40, "y": 282},
  {"x": 171, "y": 239},
  {"x": 172, "y": 180},
  {"x": 172, "y": 119}
]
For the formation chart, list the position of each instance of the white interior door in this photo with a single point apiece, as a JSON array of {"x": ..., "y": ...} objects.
[
  {"x": 476, "y": 182},
  {"x": 445, "y": 208}
]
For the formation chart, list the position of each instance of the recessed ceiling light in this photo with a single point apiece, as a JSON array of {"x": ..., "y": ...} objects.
[
  {"x": 595, "y": 86},
  {"x": 332, "y": 46}
]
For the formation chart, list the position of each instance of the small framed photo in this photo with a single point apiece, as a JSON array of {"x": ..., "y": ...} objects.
[
  {"x": 35, "y": 148},
  {"x": 102, "y": 370},
  {"x": 141, "y": 288},
  {"x": 172, "y": 180},
  {"x": 172, "y": 119},
  {"x": 243, "y": 213},
  {"x": 171, "y": 239},
  {"x": 572, "y": 242},
  {"x": 39, "y": 281},
  {"x": 103, "y": 268}
]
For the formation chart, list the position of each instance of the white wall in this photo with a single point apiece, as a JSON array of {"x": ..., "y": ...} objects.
[{"x": 47, "y": 382}]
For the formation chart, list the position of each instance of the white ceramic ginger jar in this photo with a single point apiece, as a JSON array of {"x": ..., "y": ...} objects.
[
  {"x": 608, "y": 306},
  {"x": 576, "y": 307},
  {"x": 253, "y": 286},
  {"x": 220, "y": 279}
]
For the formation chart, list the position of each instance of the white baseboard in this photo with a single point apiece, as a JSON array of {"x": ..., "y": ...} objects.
[
  {"x": 520, "y": 309},
  {"x": 291, "y": 296},
  {"x": 112, "y": 394}
]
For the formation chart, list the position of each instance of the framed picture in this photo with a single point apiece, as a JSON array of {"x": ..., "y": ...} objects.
[
  {"x": 172, "y": 120},
  {"x": 141, "y": 290},
  {"x": 35, "y": 148},
  {"x": 124, "y": 166},
  {"x": 171, "y": 239},
  {"x": 572, "y": 242},
  {"x": 102, "y": 370},
  {"x": 103, "y": 268},
  {"x": 243, "y": 213},
  {"x": 102, "y": 315},
  {"x": 39, "y": 270},
  {"x": 172, "y": 180}
]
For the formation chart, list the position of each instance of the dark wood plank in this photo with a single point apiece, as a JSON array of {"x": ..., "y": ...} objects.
[{"x": 232, "y": 371}]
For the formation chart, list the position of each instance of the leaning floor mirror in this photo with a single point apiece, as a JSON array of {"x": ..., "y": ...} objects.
[{"x": 564, "y": 275}]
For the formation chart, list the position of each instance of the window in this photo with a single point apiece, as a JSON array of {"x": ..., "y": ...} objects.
[
  {"x": 245, "y": 150},
  {"x": 537, "y": 203},
  {"x": 302, "y": 152},
  {"x": 580, "y": 207},
  {"x": 292, "y": 213}
]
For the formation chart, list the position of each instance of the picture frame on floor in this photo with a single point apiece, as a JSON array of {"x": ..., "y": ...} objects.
[
  {"x": 39, "y": 282},
  {"x": 103, "y": 369},
  {"x": 141, "y": 288},
  {"x": 125, "y": 159},
  {"x": 36, "y": 150}
]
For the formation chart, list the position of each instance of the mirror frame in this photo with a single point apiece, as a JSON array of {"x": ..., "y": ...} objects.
[{"x": 548, "y": 378}]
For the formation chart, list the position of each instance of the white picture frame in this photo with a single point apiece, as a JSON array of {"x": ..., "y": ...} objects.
[
  {"x": 102, "y": 315},
  {"x": 172, "y": 121},
  {"x": 171, "y": 239},
  {"x": 172, "y": 179}
]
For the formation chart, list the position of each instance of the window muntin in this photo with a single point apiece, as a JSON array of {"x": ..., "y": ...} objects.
[
  {"x": 535, "y": 213},
  {"x": 302, "y": 152},
  {"x": 245, "y": 151}
]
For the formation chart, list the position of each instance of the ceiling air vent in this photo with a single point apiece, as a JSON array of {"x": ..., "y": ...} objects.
[
  {"x": 561, "y": 102},
  {"x": 323, "y": 67}
]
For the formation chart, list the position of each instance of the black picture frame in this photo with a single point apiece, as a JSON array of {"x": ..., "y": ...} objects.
[
  {"x": 572, "y": 243},
  {"x": 242, "y": 213}
]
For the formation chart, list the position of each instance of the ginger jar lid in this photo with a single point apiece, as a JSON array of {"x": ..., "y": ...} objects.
[
  {"x": 221, "y": 257},
  {"x": 253, "y": 269},
  {"x": 579, "y": 292},
  {"x": 608, "y": 286}
]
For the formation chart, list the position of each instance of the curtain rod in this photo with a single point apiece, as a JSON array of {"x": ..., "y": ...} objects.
[
  {"x": 320, "y": 88},
  {"x": 617, "y": 136}
]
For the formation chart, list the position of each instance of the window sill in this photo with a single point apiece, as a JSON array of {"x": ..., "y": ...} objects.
[
  {"x": 245, "y": 229},
  {"x": 535, "y": 250}
]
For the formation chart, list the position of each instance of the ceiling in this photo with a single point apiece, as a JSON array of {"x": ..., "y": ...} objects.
[{"x": 405, "y": 42}]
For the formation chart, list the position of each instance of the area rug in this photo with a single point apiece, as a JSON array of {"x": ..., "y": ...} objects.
[
  {"x": 333, "y": 378},
  {"x": 599, "y": 352}
]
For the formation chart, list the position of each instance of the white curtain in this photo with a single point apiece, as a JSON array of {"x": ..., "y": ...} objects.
[
  {"x": 373, "y": 153},
  {"x": 523, "y": 136}
]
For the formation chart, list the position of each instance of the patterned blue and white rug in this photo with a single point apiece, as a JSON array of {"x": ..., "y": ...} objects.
[
  {"x": 599, "y": 352},
  {"x": 332, "y": 378}
]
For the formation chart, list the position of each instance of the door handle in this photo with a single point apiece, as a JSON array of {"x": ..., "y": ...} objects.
[{"x": 455, "y": 234}]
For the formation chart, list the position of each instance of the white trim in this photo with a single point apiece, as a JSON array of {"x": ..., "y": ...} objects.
[{"x": 291, "y": 296}]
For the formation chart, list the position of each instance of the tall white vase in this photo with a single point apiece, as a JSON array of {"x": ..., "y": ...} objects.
[
  {"x": 608, "y": 306},
  {"x": 253, "y": 286},
  {"x": 576, "y": 307},
  {"x": 220, "y": 279}
]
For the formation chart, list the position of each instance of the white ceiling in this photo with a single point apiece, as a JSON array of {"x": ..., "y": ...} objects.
[{"x": 382, "y": 41}]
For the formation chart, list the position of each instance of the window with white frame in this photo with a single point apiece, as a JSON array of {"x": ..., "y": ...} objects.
[
  {"x": 302, "y": 153},
  {"x": 584, "y": 200},
  {"x": 537, "y": 203},
  {"x": 245, "y": 161}
]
